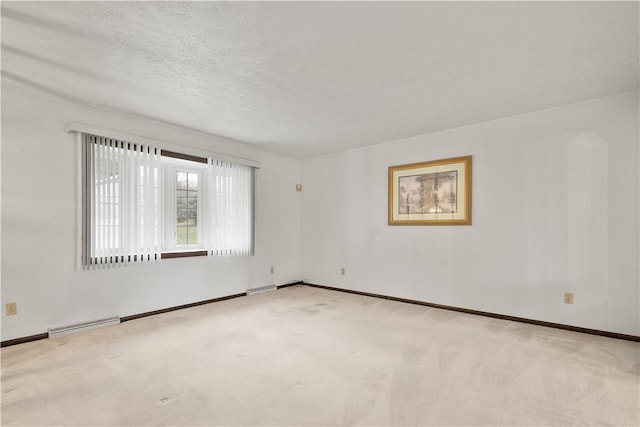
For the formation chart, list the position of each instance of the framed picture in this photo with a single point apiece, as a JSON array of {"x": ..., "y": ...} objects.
[{"x": 431, "y": 193}]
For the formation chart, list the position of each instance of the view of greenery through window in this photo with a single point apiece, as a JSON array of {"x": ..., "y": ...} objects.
[{"x": 186, "y": 208}]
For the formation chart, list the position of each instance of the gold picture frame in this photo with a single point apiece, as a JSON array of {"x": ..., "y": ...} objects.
[{"x": 437, "y": 192}]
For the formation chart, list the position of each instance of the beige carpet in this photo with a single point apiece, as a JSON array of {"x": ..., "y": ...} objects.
[{"x": 307, "y": 356}]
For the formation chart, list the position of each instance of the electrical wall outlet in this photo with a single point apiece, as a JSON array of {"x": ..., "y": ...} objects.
[
  {"x": 272, "y": 270},
  {"x": 568, "y": 297},
  {"x": 11, "y": 308},
  {"x": 343, "y": 271}
]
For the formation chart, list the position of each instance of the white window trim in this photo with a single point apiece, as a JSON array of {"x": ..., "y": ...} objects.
[{"x": 170, "y": 167}]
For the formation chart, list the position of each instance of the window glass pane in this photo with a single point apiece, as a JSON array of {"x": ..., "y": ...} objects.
[
  {"x": 192, "y": 181},
  {"x": 181, "y": 235},
  {"x": 193, "y": 235},
  {"x": 187, "y": 208},
  {"x": 181, "y": 216},
  {"x": 192, "y": 217},
  {"x": 192, "y": 201},
  {"x": 181, "y": 180}
]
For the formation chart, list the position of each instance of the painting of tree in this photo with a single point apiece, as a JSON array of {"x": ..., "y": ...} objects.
[
  {"x": 428, "y": 193},
  {"x": 436, "y": 192}
]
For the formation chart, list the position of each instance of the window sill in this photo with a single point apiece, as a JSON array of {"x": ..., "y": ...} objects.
[{"x": 183, "y": 254}]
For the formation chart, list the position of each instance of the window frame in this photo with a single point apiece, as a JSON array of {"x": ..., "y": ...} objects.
[{"x": 172, "y": 163}]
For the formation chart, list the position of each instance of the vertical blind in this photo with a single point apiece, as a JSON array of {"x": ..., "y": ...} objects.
[
  {"x": 122, "y": 202},
  {"x": 231, "y": 205},
  {"x": 123, "y": 206}
]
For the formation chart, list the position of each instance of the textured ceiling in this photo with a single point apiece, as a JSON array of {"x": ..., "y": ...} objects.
[{"x": 303, "y": 79}]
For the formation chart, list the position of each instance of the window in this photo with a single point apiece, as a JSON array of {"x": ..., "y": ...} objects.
[
  {"x": 185, "y": 212},
  {"x": 187, "y": 190},
  {"x": 141, "y": 204}
]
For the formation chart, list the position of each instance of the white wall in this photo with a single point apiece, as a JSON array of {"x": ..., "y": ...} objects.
[
  {"x": 39, "y": 224},
  {"x": 555, "y": 209}
]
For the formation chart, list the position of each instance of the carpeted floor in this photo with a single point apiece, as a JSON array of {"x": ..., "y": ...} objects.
[{"x": 308, "y": 356}]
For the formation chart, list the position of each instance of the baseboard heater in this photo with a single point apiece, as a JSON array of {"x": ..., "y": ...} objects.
[
  {"x": 262, "y": 289},
  {"x": 84, "y": 326}
]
